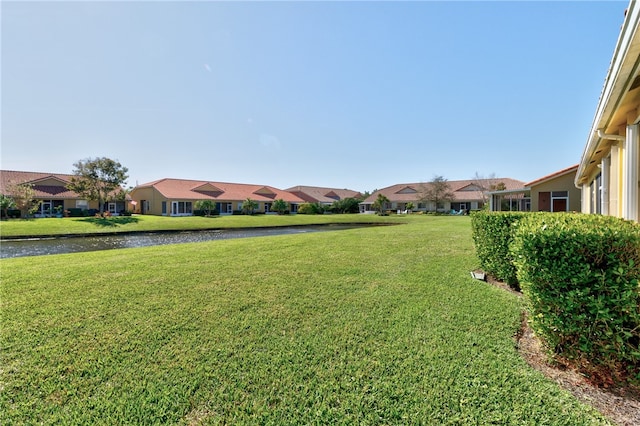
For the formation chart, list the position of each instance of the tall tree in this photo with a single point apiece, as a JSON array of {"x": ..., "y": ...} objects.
[
  {"x": 98, "y": 179},
  {"x": 24, "y": 197},
  {"x": 437, "y": 191},
  {"x": 487, "y": 184}
]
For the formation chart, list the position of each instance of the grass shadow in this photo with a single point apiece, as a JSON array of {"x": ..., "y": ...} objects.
[{"x": 111, "y": 222}]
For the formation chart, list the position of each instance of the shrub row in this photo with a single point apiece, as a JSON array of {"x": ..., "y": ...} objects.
[
  {"x": 580, "y": 275},
  {"x": 492, "y": 235}
]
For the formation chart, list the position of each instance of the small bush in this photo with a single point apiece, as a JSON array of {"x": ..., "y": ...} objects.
[
  {"x": 74, "y": 212},
  {"x": 580, "y": 276},
  {"x": 310, "y": 208},
  {"x": 202, "y": 213},
  {"x": 14, "y": 213},
  {"x": 492, "y": 235}
]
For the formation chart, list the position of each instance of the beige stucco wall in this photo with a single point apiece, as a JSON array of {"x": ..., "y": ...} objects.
[
  {"x": 152, "y": 196},
  {"x": 561, "y": 183},
  {"x": 155, "y": 200}
]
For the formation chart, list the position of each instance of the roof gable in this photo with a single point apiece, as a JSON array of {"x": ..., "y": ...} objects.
[
  {"x": 207, "y": 187},
  {"x": 332, "y": 194},
  {"x": 49, "y": 181},
  {"x": 471, "y": 187},
  {"x": 406, "y": 190},
  {"x": 265, "y": 192}
]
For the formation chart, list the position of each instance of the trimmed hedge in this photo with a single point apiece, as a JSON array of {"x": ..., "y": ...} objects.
[
  {"x": 580, "y": 276},
  {"x": 492, "y": 235}
]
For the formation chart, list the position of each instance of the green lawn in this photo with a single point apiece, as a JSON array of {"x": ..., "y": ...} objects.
[
  {"x": 382, "y": 325},
  {"x": 137, "y": 223}
]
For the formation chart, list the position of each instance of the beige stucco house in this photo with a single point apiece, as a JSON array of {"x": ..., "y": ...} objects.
[
  {"x": 555, "y": 192},
  {"x": 322, "y": 195},
  {"x": 467, "y": 195},
  {"x": 51, "y": 191},
  {"x": 608, "y": 173},
  {"x": 177, "y": 197}
]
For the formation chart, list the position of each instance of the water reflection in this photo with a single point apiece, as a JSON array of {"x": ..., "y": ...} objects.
[{"x": 38, "y": 247}]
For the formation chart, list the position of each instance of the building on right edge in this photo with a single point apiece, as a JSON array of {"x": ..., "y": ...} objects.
[{"x": 608, "y": 170}]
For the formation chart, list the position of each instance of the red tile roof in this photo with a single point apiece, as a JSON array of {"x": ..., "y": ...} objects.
[
  {"x": 185, "y": 189},
  {"x": 10, "y": 177},
  {"x": 41, "y": 184},
  {"x": 317, "y": 194}
]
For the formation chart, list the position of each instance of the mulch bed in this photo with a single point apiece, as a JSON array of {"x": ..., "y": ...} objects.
[{"x": 620, "y": 405}]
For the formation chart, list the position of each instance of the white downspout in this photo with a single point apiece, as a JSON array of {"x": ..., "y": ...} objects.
[{"x": 603, "y": 135}]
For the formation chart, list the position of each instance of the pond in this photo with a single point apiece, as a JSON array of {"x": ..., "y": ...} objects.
[{"x": 57, "y": 245}]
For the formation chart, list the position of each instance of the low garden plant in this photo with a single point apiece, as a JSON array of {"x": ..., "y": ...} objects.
[{"x": 381, "y": 325}]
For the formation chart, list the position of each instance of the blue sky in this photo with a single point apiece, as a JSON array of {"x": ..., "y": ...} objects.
[{"x": 358, "y": 95}]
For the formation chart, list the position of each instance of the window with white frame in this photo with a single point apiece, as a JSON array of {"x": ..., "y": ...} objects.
[{"x": 82, "y": 204}]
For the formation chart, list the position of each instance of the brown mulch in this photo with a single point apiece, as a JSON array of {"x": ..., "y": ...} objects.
[{"x": 620, "y": 405}]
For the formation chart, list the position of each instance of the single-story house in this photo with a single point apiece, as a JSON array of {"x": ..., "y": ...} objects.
[
  {"x": 551, "y": 193},
  {"x": 50, "y": 189},
  {"x": 467, "y": 195},
  {"x": 324, "y": 196},
  {"x": 555, "y": 192},
  {"x": 608, "y": 172},
  {"x": 177, "y": 197}
]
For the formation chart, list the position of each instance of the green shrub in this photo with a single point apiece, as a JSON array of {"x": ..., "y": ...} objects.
[
  {"x": 580, "y": 276},
  {"x": 310, "y": 208},
  {"x": 492, "y": 235},
  {"x": 75, "y": 212}
]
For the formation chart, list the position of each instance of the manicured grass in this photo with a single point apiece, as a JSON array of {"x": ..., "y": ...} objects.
[
  {"x": 137, "y": 223},
  {"x": 382, "y": 325}
]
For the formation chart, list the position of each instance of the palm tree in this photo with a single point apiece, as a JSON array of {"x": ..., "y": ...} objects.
[
  {"x": 249, "y": 206},
  {"x": 380, "y": 203}
]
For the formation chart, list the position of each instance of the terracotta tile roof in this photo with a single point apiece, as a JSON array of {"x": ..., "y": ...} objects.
[
  {"x": 559, "y": 173},
  {"x": 42, "y": 183},
  {"x": 463, "y": 190},
  {"x": 9, "y": 177},
  {"x": 185, "y": 189},
  {"x": 317, "y": 194}
]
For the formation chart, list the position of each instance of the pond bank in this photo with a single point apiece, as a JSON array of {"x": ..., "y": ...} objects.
[{"x": 44, "y": 245}]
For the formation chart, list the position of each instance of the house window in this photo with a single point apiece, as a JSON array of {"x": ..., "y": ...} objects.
[
  {"x": 82, "y": 204},
  {"x": 559, "y": 201},
  {"x": 164, "y": 208},
  {"x": 181, "y": 208}
]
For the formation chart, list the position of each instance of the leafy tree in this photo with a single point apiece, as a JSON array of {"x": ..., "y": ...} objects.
[
  {"x": 207, "y": 206},
  {"x": 6, "y": 203},
  {"x": 346, "y": 205},
  {"x": 437, "y": 191},
  {"x": 249, "y": 206},
  {"x": 487, "y": 184},
  {"x": 24, "y": 197},
  {"x": 380, "y": 203},
  {"x": 97, "y": 179},
  {"x": 409, "y": 206},
  {"x": 280, "y": 206}
]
